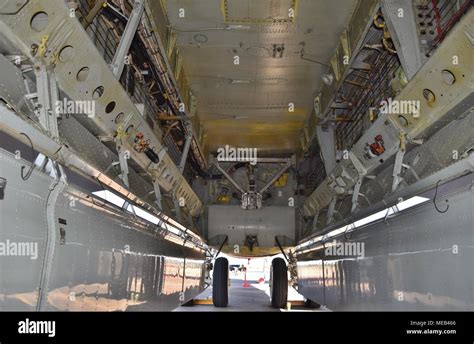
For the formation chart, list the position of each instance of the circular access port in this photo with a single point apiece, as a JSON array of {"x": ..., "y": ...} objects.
[
  {"x": 429, "y": 95},
  {"x": 82, "y": 74},
  {"x": 200, "y": 38},
  {"x": 118, "y": 118},
  {"x": 39, "y": 21},
  {"x": 129, "y": 129},
  {"x": 98, "y": 92},
  {"x": 448, "y": 77},
  {"x": 110, "y": 107},
  {"x": 66, "y": 54},
  {"x": 403, "y": 121}
]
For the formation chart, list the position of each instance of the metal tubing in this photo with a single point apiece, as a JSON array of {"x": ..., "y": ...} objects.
[{"x": 118, "y": 63}]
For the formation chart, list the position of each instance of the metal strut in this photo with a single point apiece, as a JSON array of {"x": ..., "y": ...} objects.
[
  {"x": 120, "y": 59},
  {"x": 222, "y": 246},
  {"x": 187, "y": 145},
  {"x": 281, "y": 249}
]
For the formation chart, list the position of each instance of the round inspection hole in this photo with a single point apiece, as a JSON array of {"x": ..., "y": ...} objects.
[
  {"x": 403, "y": 121},
  {"x": 429, "y": 95},
  {"x": 98, "y": 92},
  {"x": 448, "y": 77},
  {"x": 82, "y": 74},
  {"x": 39, "y": 21},
  {"x": 110, "y": 107},
  {"x": 66, "y": 54},
  {"x": 118, "y": 118},
  {"x": 129, "y": 128}
]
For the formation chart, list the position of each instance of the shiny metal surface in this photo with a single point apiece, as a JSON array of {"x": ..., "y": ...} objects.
[
  {"x": 64, "y": 46},
  {"x": 248, "y": 73},
  {"x": 453, "y": 101},
  {"x": 419, "y": 260},
  {"x": 104, "y": 259},
  {"x": 14, "y": 125},
  {"x": 247, "y": 105},
  {"x": 264, "y": 223}
]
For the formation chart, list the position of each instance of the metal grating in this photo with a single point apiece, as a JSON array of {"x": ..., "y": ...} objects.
[
  {"x": 316, "y": 176},
  {"x": 371, "y": 89},
  {"x": 106, "y": 41}
]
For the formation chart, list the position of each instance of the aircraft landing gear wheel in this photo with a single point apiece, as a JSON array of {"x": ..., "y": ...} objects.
[
  {"x": 220, "y": 278},
  {"x": 279, "y": 283},
  {"x": 311, "y": 304}
]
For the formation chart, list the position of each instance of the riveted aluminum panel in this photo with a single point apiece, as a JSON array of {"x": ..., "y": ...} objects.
[
  {"x": 104, "y": 259},
  {"x": 265, "y": 223},
  {"x": 64, "y": 46},
  {"x": 246, "y": 105},
  {"x": 419, "y": 260},
  {"x": 23, "y": 220}
]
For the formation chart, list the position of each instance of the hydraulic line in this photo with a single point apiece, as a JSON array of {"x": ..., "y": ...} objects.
[{"x": 30, "y": 171}]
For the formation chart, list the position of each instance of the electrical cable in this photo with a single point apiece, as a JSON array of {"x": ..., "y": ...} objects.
[
  {"x": 30, "y": 171},
  {"x": 434, "y": 200}
]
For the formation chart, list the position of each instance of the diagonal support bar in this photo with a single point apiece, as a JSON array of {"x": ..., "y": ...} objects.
[
  {"x": 48, "y": 96},
  {"x": 229, "y": 178},
  {"x": 187, "y": 145},
  {"x": 124, "y": 155},
  {"x": 397, "y": 166},
  {"x": 118, "y": 63},
  {"x": 327, "y": 143},
  {"x": 276, "y": 176},
  {"x": 355, "y": 194},
  {"x": 397, "y": 169},
  {"x": 400, "y": 20}
]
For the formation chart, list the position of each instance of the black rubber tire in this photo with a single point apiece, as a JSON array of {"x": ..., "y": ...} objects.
[
  {"x": 190, "y": 303},
  {"x": 311, "y": 304},
  {"x": 220, "y": 280},
  {"x": 279, "y": 283}
]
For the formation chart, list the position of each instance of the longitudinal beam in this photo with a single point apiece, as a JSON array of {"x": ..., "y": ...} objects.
[
  {"x": 13, "y": 125},
  {"x": 50, "y": 33},
  {"x": 447, "y": 100}
]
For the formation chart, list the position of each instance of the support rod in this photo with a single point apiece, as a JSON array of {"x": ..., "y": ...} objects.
[
  {"x": 187, "y": 145},
  {"x": 276, "y": 176},
  {"x": 237, "y": 186},
  {"x": 118, "y": 63}
]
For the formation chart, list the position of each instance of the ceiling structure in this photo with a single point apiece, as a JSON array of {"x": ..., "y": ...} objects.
[{"x": 248, "y": 103}]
